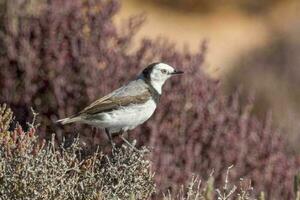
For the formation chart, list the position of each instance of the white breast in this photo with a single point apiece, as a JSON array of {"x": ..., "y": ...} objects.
[{"x": 126, "y": 118}]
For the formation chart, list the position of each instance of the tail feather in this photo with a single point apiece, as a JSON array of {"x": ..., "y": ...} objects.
[{"x": 68, "y": 120}]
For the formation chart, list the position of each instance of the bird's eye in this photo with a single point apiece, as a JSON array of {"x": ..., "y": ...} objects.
[{"x": 163, "y": 71}]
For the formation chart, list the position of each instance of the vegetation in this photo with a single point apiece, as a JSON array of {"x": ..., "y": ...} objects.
[
  {"x": 30, "y": 169},
  {"x": 34, "y": 169},
  {"x": 57, "y": 56}
]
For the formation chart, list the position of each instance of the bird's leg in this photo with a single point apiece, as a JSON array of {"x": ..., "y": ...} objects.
[
  {"x": 128, "y": 143},
  {"x": 94, "y": 130},
  {"x": 110, "y": 138}
]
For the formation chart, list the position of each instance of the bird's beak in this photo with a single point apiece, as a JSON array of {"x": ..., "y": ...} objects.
[{"x": 177, "y": 72}]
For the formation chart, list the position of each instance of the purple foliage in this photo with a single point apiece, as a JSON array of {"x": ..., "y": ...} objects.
[{"x": 70, "y": 53}]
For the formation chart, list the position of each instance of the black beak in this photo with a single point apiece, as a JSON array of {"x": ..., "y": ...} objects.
[{"x": 177, "y": 72}]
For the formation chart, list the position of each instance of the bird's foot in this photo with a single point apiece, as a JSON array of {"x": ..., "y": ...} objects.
[
  {"x": 113, "y": 146},
  {"x": 131, "y": 145}
]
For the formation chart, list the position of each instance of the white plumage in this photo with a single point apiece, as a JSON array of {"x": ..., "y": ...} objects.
[{"x": 123, "y": 119}]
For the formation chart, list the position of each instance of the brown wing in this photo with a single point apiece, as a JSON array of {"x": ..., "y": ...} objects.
[{"x": 109, "y": 103}]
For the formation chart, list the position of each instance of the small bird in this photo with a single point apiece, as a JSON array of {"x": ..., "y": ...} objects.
[{"x": 129, "y": 106}]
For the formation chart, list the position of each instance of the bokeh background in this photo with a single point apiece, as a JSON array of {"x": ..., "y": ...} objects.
[
  {"x": 253, "y": 46},
  {"x": 237, "y": 103}
]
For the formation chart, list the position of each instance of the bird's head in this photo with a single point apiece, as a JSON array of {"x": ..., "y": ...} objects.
[{"x": 157, "y": 73}]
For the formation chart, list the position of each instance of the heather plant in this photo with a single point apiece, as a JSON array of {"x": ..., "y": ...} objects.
[
  {"x": 30, "y": 169},
  {"x": 200, "y": 190},
  {"x": 70, "y": 53},
  {"x": 266, "y": 72},
  {"x": 213, "y": 133},
  {"x": 57, "y": 59}
]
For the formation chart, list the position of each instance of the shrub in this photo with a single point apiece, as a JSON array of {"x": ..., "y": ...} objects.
[
  {"x": 266, "y": 71},
  {"x": 54, "y": 60},
  {"x": 209, "y": 131},
  {"x": 30, "y": 169},
  {"x": 70, "y": 53},
  {"x": 33, "y": 170},
  {"x": 198, "y": 189}
]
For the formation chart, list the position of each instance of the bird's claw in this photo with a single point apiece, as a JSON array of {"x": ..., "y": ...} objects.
[{"x": 131, "y": 145}]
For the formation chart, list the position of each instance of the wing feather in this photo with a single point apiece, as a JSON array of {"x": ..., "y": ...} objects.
[
  {"x": 138, "y": 89},
  {"x": 106, "y": 104}
]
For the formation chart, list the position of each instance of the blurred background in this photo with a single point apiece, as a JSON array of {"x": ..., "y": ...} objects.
[{"x": 253, "y": 46}]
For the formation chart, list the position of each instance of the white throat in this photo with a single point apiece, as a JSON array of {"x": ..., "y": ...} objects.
[{"x": 157, "y": 85}]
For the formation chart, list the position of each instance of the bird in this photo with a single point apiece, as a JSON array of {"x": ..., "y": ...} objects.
[{"x": 129, "y": 106}]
